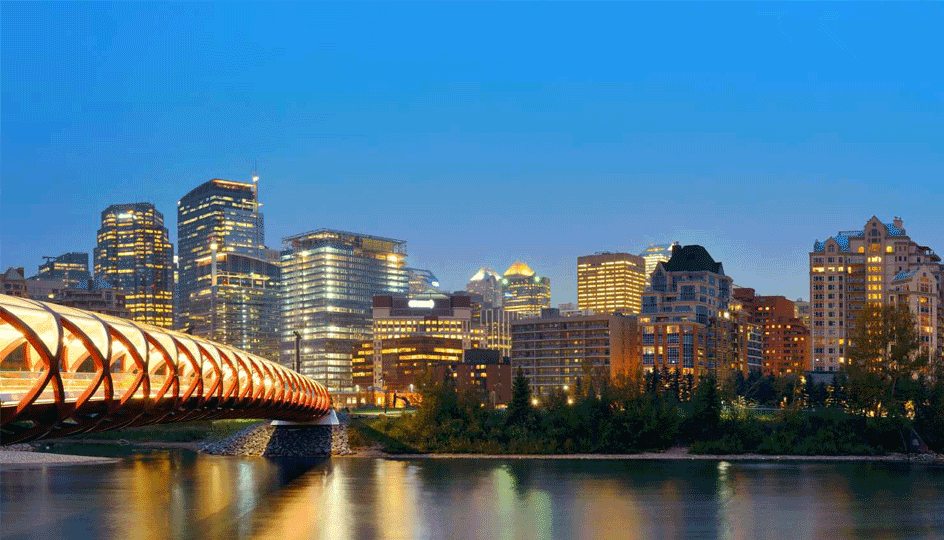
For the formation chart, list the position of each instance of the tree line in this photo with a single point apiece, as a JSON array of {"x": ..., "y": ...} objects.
[{"x": 886, "y": 399}]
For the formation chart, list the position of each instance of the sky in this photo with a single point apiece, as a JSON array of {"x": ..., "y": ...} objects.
[{"x": 483, "y": 133}]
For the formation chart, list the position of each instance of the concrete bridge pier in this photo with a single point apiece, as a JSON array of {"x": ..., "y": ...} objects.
[
  {"x": 280, "y": 438},
  {"x": 323, "y": 437}
]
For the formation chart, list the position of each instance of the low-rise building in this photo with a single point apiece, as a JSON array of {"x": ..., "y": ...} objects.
[
  {"x": 97, "y": 296},
  {"x": 12, "y": 282},
  {"x": 484, "y": 372}
]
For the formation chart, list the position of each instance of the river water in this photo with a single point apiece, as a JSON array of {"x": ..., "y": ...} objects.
[{"x": 176, "y": 494}]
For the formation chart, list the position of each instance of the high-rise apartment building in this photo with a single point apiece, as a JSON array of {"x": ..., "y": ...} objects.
[
  {"x": 611, "y": 283},
  {"x": 229, "y": 282},
  {"x": 329, "y": 280},
  {"x": 135, "y": 256},
  {"x": 488, "y": 284},
  {"x": 872, "y": 265},
  {"x": 687, "y": 322},
  {"x": 786, "y": 346},
  {"x": 654, "y": 254},
  {"x": 558, "y": 353},
  {"x": 524, "y": 292},
  {"x": 71, "y": 268}
]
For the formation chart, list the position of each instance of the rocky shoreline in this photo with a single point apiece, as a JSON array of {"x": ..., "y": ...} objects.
[{"x": 283, "y": 441}]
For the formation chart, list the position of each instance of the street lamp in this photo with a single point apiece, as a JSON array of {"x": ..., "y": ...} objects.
[{"x": 298, "y": 352}]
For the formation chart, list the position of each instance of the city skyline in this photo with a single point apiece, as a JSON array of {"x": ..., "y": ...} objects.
[
  {"x": 550, "y": 269},
  {"x": 456, "y": 282},
  {"x": 750, "y": 160}
]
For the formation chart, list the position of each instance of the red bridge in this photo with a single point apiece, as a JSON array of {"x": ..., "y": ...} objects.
[{"x": 65, "y": 371}]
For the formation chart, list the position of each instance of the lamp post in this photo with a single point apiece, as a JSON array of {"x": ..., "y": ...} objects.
[{"x": 298, "y": 352}]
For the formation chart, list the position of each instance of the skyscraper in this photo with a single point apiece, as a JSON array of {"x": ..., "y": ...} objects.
[
  {"x": 219, "y": 212},
  {"x": 876, "y": 265},
  {"x": 486, "y": 283},
  {"x": 329, "y": 280},
  {"x": 134, "y": 256},
  {"x": 525, "y": 293},
  {"x": 71, "y": 268},
  {"x": 228, "y": 281},
  {"x": 237, "y": 303},
  {"x": 654, "y": 254},
  {"x": 611, "y": 282}
]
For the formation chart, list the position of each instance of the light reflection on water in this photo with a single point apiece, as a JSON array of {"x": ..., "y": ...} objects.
[{"x": 181, "y": 495}]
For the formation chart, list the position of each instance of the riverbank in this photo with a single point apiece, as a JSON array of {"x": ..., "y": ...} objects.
[
  {"x": 673, "y": 454},
  {"x": 193, "y": 446},
  {"x": 31, "y": 458}
]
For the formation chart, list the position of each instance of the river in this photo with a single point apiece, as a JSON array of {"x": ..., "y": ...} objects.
[{"x": 177, "y": 494}]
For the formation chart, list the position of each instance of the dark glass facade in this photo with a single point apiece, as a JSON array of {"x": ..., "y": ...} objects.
[
  {"x": 220, "y": 213},
  {"x": 228, "y": 281}
]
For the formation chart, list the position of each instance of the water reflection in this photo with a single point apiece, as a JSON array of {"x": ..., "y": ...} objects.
[{"x": 180, "y": 495}]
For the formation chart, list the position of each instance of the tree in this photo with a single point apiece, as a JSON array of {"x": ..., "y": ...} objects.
[
  {"x": 675, "y": 384},
  {"x": 520, "y": 411},
  {"x": 884, "y": 349},
  {"x": 705, "y": 421}
]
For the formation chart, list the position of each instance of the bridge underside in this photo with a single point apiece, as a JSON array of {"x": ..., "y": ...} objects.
[{"x": 66, "y": 371}]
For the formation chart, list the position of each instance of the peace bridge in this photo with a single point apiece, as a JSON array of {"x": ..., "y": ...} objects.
[{"x": 65, "y": 371}]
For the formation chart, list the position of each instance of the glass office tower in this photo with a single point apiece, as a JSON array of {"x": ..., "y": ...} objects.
[
  {"x": 228, "y": 281},
  {"x": 220, "y": 213},
  {"x": 329, "y": 279}
]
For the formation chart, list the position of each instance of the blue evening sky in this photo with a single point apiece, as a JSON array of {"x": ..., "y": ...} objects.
[{"x": 483, "y": 133}]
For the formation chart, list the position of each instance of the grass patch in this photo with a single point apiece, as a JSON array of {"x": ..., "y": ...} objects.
[{"x": 196, "y": 431}]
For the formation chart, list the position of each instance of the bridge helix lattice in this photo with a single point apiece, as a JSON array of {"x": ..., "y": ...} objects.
[{"x": 65, "y": 371}]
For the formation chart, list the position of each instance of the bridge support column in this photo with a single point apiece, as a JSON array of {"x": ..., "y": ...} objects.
[
  {"x": 323, "y": 437},
  {"x": 319, "y": 438}
]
